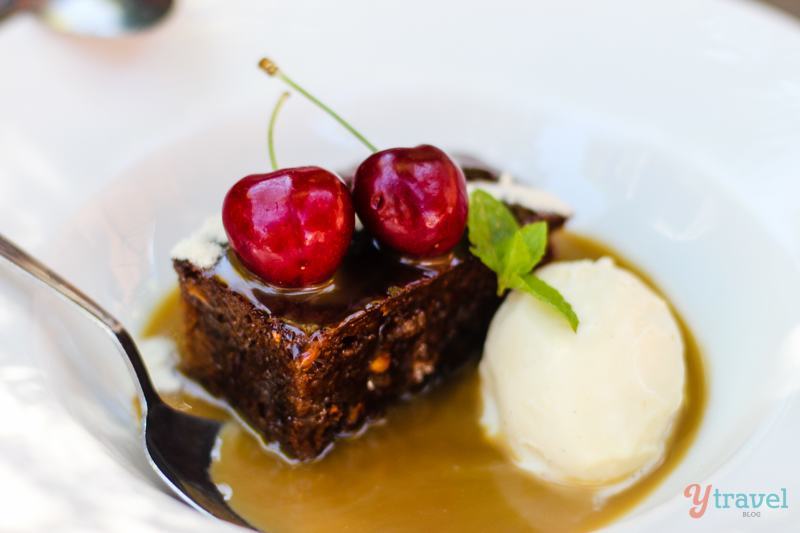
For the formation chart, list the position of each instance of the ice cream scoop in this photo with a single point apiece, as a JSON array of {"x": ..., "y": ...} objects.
[{"x": 591, "y": 407}]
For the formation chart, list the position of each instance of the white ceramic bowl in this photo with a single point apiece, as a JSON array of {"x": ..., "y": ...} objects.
[{"x": 672, "y": 130}]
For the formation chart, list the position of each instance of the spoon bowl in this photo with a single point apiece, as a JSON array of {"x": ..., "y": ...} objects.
[{"x": 178, "y": 445}]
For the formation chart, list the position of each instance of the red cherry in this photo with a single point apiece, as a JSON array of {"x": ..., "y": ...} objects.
[
  {"x": 291, "y": 227},
  {"x": 413, "y": 200}
]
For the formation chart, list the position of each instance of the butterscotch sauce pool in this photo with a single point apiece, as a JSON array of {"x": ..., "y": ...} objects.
[{"x": 427, "y": 465}]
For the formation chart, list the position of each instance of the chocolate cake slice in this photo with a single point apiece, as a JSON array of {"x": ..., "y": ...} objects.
[{"x": 302, "y": 367}]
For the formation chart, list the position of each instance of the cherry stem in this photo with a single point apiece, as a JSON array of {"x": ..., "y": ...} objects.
[
  {"x": 272, "y": 69},
  {"x": 271, "y": 130}
]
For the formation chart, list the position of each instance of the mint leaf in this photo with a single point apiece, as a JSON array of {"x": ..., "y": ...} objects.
[
  {"x": 514, "y": 256},
  {"x": 490, "y": 225},
  {"x": 512, "y": 252},
  {"x": 540, "y": 289},
  {"x": 520, "y": 253},
  {"x": 535, "y": 236}
]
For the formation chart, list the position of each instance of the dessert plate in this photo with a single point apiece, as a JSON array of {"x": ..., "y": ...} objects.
[{"x": 680, "y": 153}]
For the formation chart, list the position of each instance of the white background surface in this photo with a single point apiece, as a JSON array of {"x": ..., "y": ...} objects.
[{"x": 75, "y": 113}]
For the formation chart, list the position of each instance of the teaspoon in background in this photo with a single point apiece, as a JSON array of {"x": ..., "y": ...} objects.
[{"x": 94, "y": 18}]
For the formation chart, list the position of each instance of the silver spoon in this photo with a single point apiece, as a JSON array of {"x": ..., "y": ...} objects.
[
  {"x": 96, "y": 18},
  {"x": 177, "y": 445}
]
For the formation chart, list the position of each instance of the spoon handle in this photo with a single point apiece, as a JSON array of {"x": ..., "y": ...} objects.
[{"x": 125, "y": 343}]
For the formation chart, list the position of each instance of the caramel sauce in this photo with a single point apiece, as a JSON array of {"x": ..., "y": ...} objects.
[
  {"x": 427, "y": 466},
  {"x": 365, "y": 275}
]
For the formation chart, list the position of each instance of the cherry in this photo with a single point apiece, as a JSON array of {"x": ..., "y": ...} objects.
[
  {"x": 413, "y": 200},
  {"x": 291, "y": 227}
]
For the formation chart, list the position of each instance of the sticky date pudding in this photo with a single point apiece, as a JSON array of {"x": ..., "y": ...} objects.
[{"x": 304, "y": 366}]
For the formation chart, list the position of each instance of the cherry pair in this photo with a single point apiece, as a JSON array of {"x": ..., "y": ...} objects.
[{"x": 292, "y": 227}]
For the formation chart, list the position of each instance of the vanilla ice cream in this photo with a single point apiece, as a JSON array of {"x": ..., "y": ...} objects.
[{"x": 588, "y": 408}]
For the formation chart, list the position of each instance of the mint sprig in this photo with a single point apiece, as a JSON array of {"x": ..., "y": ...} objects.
[{"x": 512, "y": 251}]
